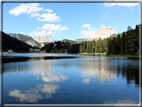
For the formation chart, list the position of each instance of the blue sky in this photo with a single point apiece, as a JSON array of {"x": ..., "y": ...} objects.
[{"x": 68, "y": 20}]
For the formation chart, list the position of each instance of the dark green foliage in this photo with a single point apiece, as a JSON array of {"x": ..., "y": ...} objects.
[
  {"x": 132, "y": 39},
  {"x": 57, "y": 47},
  {"x": 9, "y": 42},
  {"x": 127, "y": 43},
  {"x": 26, "y": 38},
  {"x": 122, "y": 49},
  {"x": 124, "y": 43},
  {"x": 129, "y": 28}
]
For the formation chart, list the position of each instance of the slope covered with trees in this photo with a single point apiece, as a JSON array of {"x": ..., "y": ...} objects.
[
  {"x": 9, "y": 42},
  {"x": 121, "y": 44},
  {"x": 25, "y": 38}
]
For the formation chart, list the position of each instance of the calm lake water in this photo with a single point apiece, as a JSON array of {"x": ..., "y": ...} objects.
[{"x": 69, "y": 79}]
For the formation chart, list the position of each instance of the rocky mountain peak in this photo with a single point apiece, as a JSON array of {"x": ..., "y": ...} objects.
[
  {"x": 103, "y": 27},
  {"x": 103, "y": 32},
  {"x": 43, "y": 38},
  {"x": 110, "y": 27}
]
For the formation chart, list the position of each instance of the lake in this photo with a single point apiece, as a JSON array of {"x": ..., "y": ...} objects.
[{"x": 69, "y": 79}]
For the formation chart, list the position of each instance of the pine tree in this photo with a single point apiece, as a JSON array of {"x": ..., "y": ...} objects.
[{"x": 118, "y": 41}]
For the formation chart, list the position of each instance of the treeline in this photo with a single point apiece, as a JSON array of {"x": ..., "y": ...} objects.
[
  {"x": 124, "y": 43},
  {"x": 16, "y": 45},
  {"x": 60, "y": 47}
]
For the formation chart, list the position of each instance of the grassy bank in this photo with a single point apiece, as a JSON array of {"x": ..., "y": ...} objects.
[
  {"x": 3, "y": 53},
  {"x": 108, "y": 55},
  {"x": 122, "y": 55},
  {"x": 39, "y": 53},
  {"x": 92, "y": 53}
]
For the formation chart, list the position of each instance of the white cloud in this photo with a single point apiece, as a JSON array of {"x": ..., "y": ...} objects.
[
  {"x": 122, "y": 4},
  {"x": 37, "y": 28},
  {"x": 50, "y": 17},
  {"x": 54, "y": 27},
  {"x": 46, "y": 17},
  {"x": 115, "y": 26},
  {"x": 37, "y": 33},
  {"x": 49, "y": 33},
  {"x": 21, "y": 33},
  {"x": 86, "y": 25},
  {"x": 64, "y": 28},
  {"x": 87, "y": 33},
  {"x": 106, "y": 14},
  {"x": 49, "y": 10},
  {"x": 34, "y": 14},
  {"x": 32, "y": 9},
  {"x": 26, "y": 8},
  {"x": 90, "y": 30},
  {"x": 51, "y": 27},
  {"x": 39, "y": 19}
]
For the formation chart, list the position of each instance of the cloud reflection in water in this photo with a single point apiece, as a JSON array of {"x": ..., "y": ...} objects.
[{"x": 34, "y": 95}]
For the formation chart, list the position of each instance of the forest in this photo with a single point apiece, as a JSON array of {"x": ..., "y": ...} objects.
[
  {"x": 16, "y": 45},
  {"x": 120, "y": 44}
]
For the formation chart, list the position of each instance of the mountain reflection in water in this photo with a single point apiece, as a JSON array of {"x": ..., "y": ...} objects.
[{"x": 70, "y": 78}]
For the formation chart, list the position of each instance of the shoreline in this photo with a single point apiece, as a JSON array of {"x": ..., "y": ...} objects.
[
  {"x": 94, "y": 54},
  {"x": 122, "y": 56},
  {"x": 109, "y": 55}
]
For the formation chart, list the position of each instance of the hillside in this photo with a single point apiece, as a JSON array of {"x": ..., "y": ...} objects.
[
  {"x": 9, "y": 42},
  {"x": 84, "y": 39},
  {"x": 69, "y": 41},
  {"x": 25, "y": 38}
]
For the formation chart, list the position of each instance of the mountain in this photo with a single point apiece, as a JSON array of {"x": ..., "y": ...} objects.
[
  {"x": 44, "y": 43},
  {"x": 43, "y": 38},
  {"x": 25, "y": 38},
  {"x": 9, "y": 42},
  {"x": 103, "y": 32},
  {"x": 69, "y": 41},
  {"x": 84, "y": 39},
  {"x": 113, "y": 35}
]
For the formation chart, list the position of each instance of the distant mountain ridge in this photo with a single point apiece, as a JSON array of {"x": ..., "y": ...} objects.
[
  {"x": 102, "y": 33},
  {"x": 25, "y": 38},
  {"x": 69, "y": 41},
  {"x": 84, "y": 39},
  {"x": 16, "y": 45},
  {"x": 40, "y": 41}
]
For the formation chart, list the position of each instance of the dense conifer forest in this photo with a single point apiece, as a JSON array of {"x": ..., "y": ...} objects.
[
  {"x": 120, "y": 44},
  {"x": 16, "y": 45}
]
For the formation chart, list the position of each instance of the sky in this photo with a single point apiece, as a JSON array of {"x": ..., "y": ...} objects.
[{"x": 68, "y": 20}]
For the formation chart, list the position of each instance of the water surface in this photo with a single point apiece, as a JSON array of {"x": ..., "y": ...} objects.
[{"x": 70, "y": 79}]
